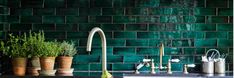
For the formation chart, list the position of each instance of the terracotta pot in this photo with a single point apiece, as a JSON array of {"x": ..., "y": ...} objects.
[
  {"x": 19, "y": 66},
  {"x": 47, "y": 63},
  {"x": 65, "y": 62},
  {"x": 34, "y": 66},
  {"x": 33, "y": 71},
  {"x": 35, "y": 61}
]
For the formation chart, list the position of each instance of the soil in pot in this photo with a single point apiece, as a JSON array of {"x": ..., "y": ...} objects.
[
  {"x": 65, "y": 62},
  {"x": 19, "y": 66},
  {"x": 47, "y": 63}
]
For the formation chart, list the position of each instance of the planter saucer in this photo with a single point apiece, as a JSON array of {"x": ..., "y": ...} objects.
[
  {"x": 65, "y": 71},
  {"x": 47, "y": 72}
]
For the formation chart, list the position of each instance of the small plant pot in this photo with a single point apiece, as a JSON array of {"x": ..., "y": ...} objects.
[
  {"x": 47, "y": 63},
  {"x": 35, "y": 61},
  {"x": 34, "y": 66},
  {"x": 65, "y": 62},
  {"x": 19, "y": 66}
]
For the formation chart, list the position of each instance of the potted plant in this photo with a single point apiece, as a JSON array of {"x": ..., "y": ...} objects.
[
  {"x": 68, "y": 50},
  {"x": 16, "y": 48}
]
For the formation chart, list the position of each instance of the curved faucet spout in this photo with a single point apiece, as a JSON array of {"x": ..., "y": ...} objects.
[{"x": 103, "y": 38}]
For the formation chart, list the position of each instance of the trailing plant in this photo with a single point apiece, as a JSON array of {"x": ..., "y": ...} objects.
[
  {"x": 67, "y": 49},
  {"x": 50, "y": 49}
]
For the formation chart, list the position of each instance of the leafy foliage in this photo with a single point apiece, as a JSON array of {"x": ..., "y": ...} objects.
[{"x": 68, "y": 49}]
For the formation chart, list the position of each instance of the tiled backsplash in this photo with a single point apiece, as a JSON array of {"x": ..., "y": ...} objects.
[{"x": 134, "y": 29}]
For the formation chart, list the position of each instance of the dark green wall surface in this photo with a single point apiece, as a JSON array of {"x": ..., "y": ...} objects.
[{"x": 134, "y": 29}]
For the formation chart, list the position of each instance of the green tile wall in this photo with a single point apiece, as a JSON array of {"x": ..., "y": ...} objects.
[{"x": 134, "y": 29}]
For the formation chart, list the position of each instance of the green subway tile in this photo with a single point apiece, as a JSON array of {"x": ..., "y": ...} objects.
[
  {"x": 32, "y": 4},
  {"x": 176, "y": 67},
  {"x": 55, "y": 35},
  {"x": 182, "y": 11},
  {"x": 157, "y": 59},
  {"x": 76, "y": 19},
  {"x": 2, "y": 35},
  {"x": 66, "y": 27},
  {"x": 67, "y": 11},
  {"x": 2, "y": 27},
  {"x": 12, "y": 19},
  {"x": 204, "y": 11},
  {"x": 100, "y": 3},
  {"x": 171, "y": 19},
  {"x": 77, "y": 3},
  {"x": 86, "y": 58},
  {"x": 79, "y": 67},
  {"x": 44, "y": 11},
  {"x": 230, "y": 3},
  {"x": 196, "y": 35},
  {"x": 13, "y": 3},
  {"x": 112, "y": 27},
  {"x": 225, "y": 42},
  {"x": 95, "y": 42},
  {"x": 89, "y": 11},
  {"x": 54, "y": 19},
  {"x": 189, "y": 51},
  {"x": 147, "y": 19},
  {"x": 172, "y": 51},
  {"x": 216, "y": 3},
  {"x": 31, "y": 19},
  {"x": 124, "y": 19},
  {"x": 216, "y": 34},
  {"x": 148, "y": 35},
  {"x": 98, "y": 67},
  {"x": 77, "y": 35},
  {"x": 224, "y": 27},
  {"x": 229, "y": 59},
  {"x": 20, "y": 27},
  {"x": 112, "y": 11},
  {"x": 200, "y": 19},
  {"x": 123, "y": 67},
  {"x": 136, "y": 27},
  {"x": 124, "y": 51},
  {"x": 100, "y": 19},
  {"x": 200, "y": 51},
  {"x": 98, "y": 51},
  {"x": 217, "y": 19},
  {"x": 147, "y": 51},
  {"x": 170, "y": 35},
  {"x": 157, "y": 27},
  {"x": 114, "y": 59},
  {"x": 205, "y": 27},
  {"x": 154, "y": 11},
  {"x": 115, "y": 42},
  {"x": 43, "y": 27},
  {"x": 190, "y": 19},
  {"x": 141, "y": 42},
  {"x": 185, "y": 59},
  {"x": 136, "y": 11},
  {"x": 3, "y": 19},
  {"x": 54, "y": 3},
  {"x": 225, "y": 11},
  {"x": 184, "y": 27},
  {"x": 230, "y": 35},
  {"x": 170, "y": 27},
  {"x": 197, "y": 59},
  {"x": 200, "y": 3},
  {"x": 124, "y": 3},
  {"x": 81, "y": 73},
  {"x": 4, "y": 11},
  {"x": 95, "y": 74},
  {"x": 133, "y": 59},
  {"x": 87, "y": 27},
  {"x": 21, "y": 11},
  {"x": 147, "y": 3},
  {"x": 124, "y": 34},
  {"x": 157, "y": 42},
  {"x": 81, "y": 50},
  {"x": 205, "y": 42},
  {"x": 184, "y": 43}
]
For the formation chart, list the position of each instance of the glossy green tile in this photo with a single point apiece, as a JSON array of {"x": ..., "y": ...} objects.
[
  {"x": 205, "y": 27},
  {"x": 114, "y": 59},
  {"x": 157, "y": 27},
  {"x": 205, "y": 42},
  {"x": 147, "y": 3},
  {"x": 200, "y": 19},
  {"x": 76, "y": 19},
  {"x": 81, "y": 50},
  {"x": 136, "y": 27},
  {"x": 32, "y": 4},
  {"x": 125, "y": 67},
  {"x": 190, "y": 19},
  {"x": 112, "y": 27},
  {"x": 217, "y": 19},
  {"x": 66, "y": 11},
  {"x": 184, "y": 27},
  {"x": 154, "y": 11},
  {"x": 3, "y": 19},
  {"x": 31, "y": 19},
  {"x": 147, "y": 19},
  {"x": 2, "y": 27},
  {"x": 154, "y": 35},
  {"x": 96, "y": 42},
  {"x": 54, "y": 19},
  {"x": 171, "y": 19},
  {"x": 172, "y": 51},
  {"x": 87, "y": 27},
  {"x": 224, "y": 27},
  {"x": 197, "y": 35},
  {"x": 77, "y": 3},
  {"x": 13, "y": 3},
  {"x": 216, "y": 34},
  {"x": 44, "y": 27},
  {"x": 21, "y": 11},
  {"x": 43, "y": 11},
  {"x": 136, "y": 11},
  {"x": 184, "y": 43},
  {"x": 89, "y": 11},
  {"x": 98, "y": 51},
  {"x": 100, "y": 3},
  {"x": 124, "y": 3},
  {"x": 125, "y": 35},
  {"x": 200, "y": 3},
  {"x": 147, "y": 51},
  {"x": 137, "y": 42},
  {"x": 12, "y": 19},
  {"x": 197, "y": 59},
  {"x": 185, "y": 59},
  {"x": 116, "y": 42},
  {"x": 170, "y": 35},
  {"x": 225, "y": 43},
  {"x": 204, "y": 11},
  {"x": 230, "y": 3},
  {"x": 216, "y": 3},
  {"x": 176, "y": 67},
  {"x": 77, "y": 35},
  {"x": 66, "y": 27},
  {"x": 20, "y": 27},
  {"x": 112, "y": 11},
  {"x": 81, "y": 73},
  {"x": 157, "y": 58},
  {"x": 4, "y": 11},
  {"x": 124, "y": 19},
  {"x": 189, "y": 51},
  {"x": 200, "y": 51},
  {"x": 2, "y": 35},
  {"x": 133, "y": 59},
  {"x": 124, "y": 51},
  {"x": 157, "y": 42},
  {"x": 98, "y": 67},
  {"x": 170, "y": 27},
  {"x": 230, "y": 35},
  {"x": 54, "y": 3},
  {"x": 225, "y": 11},
  {"x": 79, "y": 67},
  {"x": 55, "y": 35},
  {"x": 100, "y": 19},
  {"x": 86, "y": 59}
]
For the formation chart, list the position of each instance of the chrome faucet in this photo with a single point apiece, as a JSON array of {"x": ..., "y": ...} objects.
[{"x": 105, "y": 73}]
